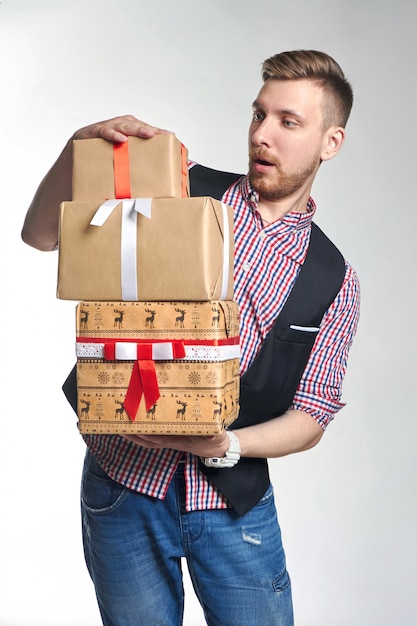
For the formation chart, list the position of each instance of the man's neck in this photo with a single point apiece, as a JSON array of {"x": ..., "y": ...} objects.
[{"x": 272, "y": 210}]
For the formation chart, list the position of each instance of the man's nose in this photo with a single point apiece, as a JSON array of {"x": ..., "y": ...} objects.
[{"x": 261, "y": 133}]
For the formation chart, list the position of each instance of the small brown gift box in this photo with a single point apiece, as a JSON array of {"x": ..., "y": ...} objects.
[
  {"x": 126, "y": 357},
  {"x": 146, "y": 249},
  {"x": 138, "y": 168}
]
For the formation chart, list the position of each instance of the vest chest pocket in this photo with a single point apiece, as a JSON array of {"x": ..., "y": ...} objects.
[
  {"x": 268, "y": 387},
  {"x": 291, "y": 354}
]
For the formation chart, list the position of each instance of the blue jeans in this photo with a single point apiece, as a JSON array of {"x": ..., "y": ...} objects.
[{"x": 133, "y": 546}]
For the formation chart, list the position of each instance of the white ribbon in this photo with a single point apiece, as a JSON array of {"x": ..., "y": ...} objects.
[
  {"x": 225, "y": 279},
  {"x": 128, "y": 244},
  {"x": 127, "y": 351}
]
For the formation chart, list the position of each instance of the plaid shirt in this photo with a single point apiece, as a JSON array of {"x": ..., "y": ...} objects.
[{"x": 267, "y": 261}]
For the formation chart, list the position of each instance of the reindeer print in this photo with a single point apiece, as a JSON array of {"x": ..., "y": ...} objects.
[
  {"x": 215, "y": 320},
  {"x": 149, "y": 321},
  {"x": 179, "y": 321},
  {"x": 217, "y": 412},
  {"x": 84, "y": 319},
  {"x": 85, "y": 410},
  {"x": 151, "y": 413},
  {"x": 181, "y": 412},
  {"x": 119, "y": 411},
  {"x": 118, "y": 321}
]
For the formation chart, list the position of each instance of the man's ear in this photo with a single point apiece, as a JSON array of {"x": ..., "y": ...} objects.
[{"x": 332, "y": 142}]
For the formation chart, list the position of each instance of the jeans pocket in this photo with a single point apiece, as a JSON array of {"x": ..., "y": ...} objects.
[
  {"x": 281, "y": 582},
  {"x": 100, "y": 494},
  {"x": 269, "y": 493}
]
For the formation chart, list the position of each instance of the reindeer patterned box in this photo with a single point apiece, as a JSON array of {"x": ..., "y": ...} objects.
[
  {"x": 161, "y": 249},
  {"x": 157, "y": 367}
]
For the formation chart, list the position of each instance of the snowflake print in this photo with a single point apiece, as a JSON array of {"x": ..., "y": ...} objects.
[
  {"x": 194, "y": 378},
  {"x": 212, "y": 378},
  {"x": 103, "y": 378},
  {"x": 162, "y": 378},
  {"x": 118, "y": 378}
]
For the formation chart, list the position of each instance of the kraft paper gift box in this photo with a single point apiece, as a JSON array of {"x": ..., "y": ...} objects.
[
  {"x": 142, "y": 168},
  {"x": 157, "y": 367},
  {"x": 146, "y": 249}
]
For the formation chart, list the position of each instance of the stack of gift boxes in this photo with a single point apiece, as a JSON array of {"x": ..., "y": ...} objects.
[{"x": 157, "y": 329}]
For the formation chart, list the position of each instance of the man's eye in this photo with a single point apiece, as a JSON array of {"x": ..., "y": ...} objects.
[
  {"x": 257, "y": 116},
  {"x": 289, "y": 123}
]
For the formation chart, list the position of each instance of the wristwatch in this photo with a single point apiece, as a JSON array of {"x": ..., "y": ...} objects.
[{"x": 231, "y": 457}]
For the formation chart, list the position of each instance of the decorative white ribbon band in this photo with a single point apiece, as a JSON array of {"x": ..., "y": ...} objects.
[
  {"x": 128, "y": 244},
  {"x": 127, "y": 351},
  {"x": 306, "y": 329}
]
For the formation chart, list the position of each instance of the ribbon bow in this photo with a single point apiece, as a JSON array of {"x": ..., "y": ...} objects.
[{"x": 143, "y": 380}]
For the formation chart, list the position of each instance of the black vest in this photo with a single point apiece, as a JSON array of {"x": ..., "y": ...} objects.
[{"x": 268, "y": 386}]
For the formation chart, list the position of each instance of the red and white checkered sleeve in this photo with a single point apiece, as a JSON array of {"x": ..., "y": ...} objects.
[{"x": 320, "y": 389}]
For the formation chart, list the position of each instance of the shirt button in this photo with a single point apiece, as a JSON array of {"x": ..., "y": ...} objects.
[
  {"x": 262, "y": 234},
  {"x": 246, "y": 267}
]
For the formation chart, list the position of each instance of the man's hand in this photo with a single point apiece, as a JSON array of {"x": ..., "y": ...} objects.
[
  {"x": 119, "y": 129},
  {"x": 215, "y": 445},
  {"x": 292, "y": 432},
  {"x": 40, "y": 228}
]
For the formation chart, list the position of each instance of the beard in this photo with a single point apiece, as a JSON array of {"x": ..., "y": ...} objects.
[{"x": 278, "y": 184}]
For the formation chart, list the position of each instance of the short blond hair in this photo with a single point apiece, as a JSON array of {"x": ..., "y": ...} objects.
[{"x": 318, "y": 67}]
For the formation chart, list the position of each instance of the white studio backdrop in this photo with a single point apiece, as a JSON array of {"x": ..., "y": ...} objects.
[{"x": 347, "y": 507}]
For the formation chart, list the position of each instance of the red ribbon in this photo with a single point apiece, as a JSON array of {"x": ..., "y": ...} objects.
[
  {"x": 143, "y": 380},
  {"x": 121, "y": 169}
]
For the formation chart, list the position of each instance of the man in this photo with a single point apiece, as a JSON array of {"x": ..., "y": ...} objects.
[{"x": 148, "y": 501}]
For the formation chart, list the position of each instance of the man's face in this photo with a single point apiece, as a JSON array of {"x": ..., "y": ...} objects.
[{"x": 285, "y": 138}]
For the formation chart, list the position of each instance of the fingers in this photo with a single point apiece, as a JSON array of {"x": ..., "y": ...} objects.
[
  {"x": 140, "y": 440},
  {"x": 212, "y": 445},
  {"x": 152, "y": 441},
  {"x": 118, "y": 129}
]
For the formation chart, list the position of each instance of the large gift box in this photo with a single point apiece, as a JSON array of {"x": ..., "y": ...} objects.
[
  {"x": 146, "y": 249},
  {"x": 142, "y": 168},
  {"x": 157, "y": 367}
]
